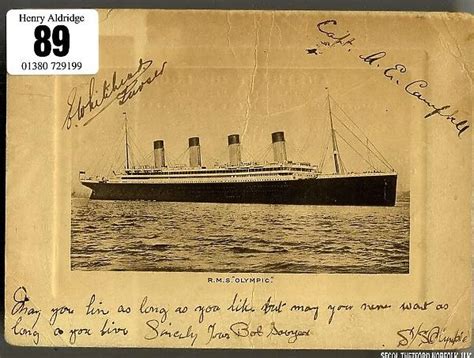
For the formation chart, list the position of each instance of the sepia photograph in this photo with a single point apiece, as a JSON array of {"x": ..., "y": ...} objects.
[{"x": 242, "y": 159}]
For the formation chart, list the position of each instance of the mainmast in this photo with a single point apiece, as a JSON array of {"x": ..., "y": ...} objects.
[
  {"x": 335, "y": 148},
  {"x": 127, "y": 163}
]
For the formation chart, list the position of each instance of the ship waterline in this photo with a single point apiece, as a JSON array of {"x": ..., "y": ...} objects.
[{"x": 369, "y": 189}]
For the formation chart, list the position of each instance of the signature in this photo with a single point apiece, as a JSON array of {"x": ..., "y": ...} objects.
[
  {"x": 430, "y": 336},
  {"x": 99, "y": 98},
  {"x": 345, "y": 39},
  {"x": 461, "y": 125},
  {"x": 396, "y": 73},
  {"x": 245, "y": 329}
]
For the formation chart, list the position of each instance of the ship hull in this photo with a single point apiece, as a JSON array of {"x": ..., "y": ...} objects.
[{"x": 371, "y": 190}]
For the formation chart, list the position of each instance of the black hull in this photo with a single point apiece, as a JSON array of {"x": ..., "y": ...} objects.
[{"x": 376, "y": 190}]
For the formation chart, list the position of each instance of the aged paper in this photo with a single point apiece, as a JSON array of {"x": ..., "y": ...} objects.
[{"x": 246, "y": 179}]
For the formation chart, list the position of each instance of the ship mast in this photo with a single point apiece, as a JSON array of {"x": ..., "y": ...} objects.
[
  {"x": 335, "y": 148},
  {"x": 127, "y": 163}
]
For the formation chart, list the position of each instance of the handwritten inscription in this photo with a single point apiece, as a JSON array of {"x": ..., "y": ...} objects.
[
  {"x": 93, "y": 309},
  {"x": 332, "y": 39},
  {"x": 147, "y": 308},
  {"x": 239, "y": 317},
  {"x": 396, "y": 73},
  {"x": 58, "y": 311},
  {"x": 27, "y": 316},
  {"x": 245, "y": 329},
  {"x": 421, "y": 335},
  {"x": 74, "y": 333},
  {"x": 119, "y": 89},
  {"x": 158, "y": 331},
  {"x": 240, "y": 305}
]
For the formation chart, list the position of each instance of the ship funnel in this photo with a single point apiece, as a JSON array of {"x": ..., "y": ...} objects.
[
  {"x": 234, "y": 150},
  {"x": 194, "y": 152},
  {"x": 279, "y": 148},
  {"x": 159, "y": 153}
]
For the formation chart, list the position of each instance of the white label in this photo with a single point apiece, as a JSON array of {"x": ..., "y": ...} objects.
[{"x": 52, "y": 42}]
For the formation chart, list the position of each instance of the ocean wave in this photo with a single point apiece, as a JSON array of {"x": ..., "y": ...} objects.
[{"x": 148, "y": 236}]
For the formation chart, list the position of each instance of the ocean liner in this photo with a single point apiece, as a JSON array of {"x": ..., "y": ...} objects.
[{"x": 279, "y": 182}]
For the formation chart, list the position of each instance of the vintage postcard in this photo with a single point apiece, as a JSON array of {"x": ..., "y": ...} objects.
[{"x": 244, "y": 179}]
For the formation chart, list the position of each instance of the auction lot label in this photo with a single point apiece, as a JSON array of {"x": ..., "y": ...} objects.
[{"x": 52, "y": 42}]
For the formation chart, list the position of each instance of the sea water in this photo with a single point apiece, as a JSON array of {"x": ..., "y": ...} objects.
[{"x": 213, "y": 237}]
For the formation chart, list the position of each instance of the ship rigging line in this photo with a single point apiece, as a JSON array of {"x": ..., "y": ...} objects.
[
  {"x": 176, "y": 161},
  {"x": 379, "y": 157},
  {"x": 246, "y": 153},
  {"x": 215, "y": 159},
  {"x": 100, "y": 165},
  {"x": 340, "y": 136},
  {"x": 149, "y": 156},
  {"x": 115, "y": 159},
  {"x": 134, "y": 148},
  {"x": 133, "y": 157},
  {"x": 384, "y": 161},
  {"x": 262, "y": 154}
]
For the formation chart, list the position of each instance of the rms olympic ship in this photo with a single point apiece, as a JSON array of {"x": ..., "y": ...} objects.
[{"x": 279, "y": 182}]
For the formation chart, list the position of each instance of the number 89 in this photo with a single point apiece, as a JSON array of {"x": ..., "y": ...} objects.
[{"x": 60, "y": 39}]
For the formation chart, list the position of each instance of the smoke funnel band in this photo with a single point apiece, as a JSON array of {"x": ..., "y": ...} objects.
[
  {"x": 278, "y": 137},
  {"x": 233, "y": 139},
  {"x": 193, "y": 142},
  {"x": 158, "y": 144}
]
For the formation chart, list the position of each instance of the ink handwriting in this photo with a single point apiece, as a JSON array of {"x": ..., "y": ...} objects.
[
  {"x": 22, "y": 310},
  {"x": 118, "y": 89},
  {"x": 397, "y": 73},
  {"x": 419, "y": 336},
  {"x": 200, "y": 323}
]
